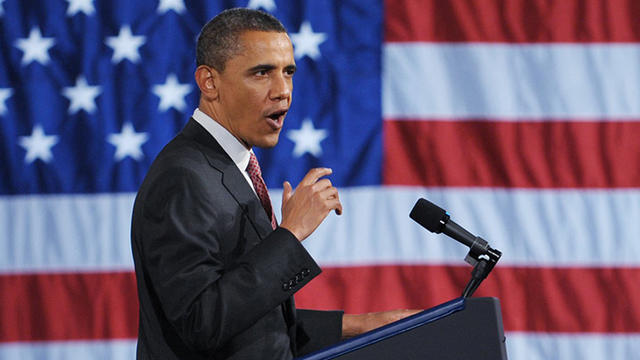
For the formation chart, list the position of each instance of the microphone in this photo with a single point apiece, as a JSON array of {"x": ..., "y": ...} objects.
[
  {"x": 437, "y": 220},
  {"x": 481, "y": 256}
]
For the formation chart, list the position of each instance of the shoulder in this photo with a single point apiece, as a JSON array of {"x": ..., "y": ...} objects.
[
  {"x": 182, "y": 168},
  {"x": 193, "y": 151},
  {"x": 181, "y": 162}
]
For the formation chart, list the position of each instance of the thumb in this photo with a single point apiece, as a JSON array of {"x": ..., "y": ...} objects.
[{"x": 286, "y": 192}]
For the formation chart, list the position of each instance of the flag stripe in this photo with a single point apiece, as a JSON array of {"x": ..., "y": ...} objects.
[
  {"x": 520, "y": 154},
  {"x": 530, "y": 346},
  {"x": 84, "y": 306},
  {"x": 69, "y": 306},
  {"x": 58, "y": 350},
  {"x": 573, "y": 228},
  {"x": 87, "y": 232},
  {"x": 504, "y": 82},
  {"x": 538, "y": 346},
  {"x": 555, "y": 228},
  {"x": 513, "y": 21},
  {"x": 535, "y": 299}
]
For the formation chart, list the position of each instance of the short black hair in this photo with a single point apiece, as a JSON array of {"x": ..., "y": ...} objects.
[{"x": 218, "y": 39}]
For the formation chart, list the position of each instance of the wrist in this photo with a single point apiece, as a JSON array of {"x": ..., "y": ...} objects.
[
  {"x": 352, "y": 325},
  {"x": 291, "y": 229}
]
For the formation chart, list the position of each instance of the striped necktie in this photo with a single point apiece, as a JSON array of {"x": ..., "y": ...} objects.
[{"x": 253, "y": 169}]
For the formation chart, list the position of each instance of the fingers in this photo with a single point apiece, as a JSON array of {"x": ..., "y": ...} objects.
[
  {"x": 322, "y": 185},
  {"x": 314, "y": 174},
  {"x": 306, "y": 206},
  {"x": 332, "y": 198},
  {"x": 334, "y": 204},
  {"x": 286, "y": 191},
  {"x": 338, "y": 207}
]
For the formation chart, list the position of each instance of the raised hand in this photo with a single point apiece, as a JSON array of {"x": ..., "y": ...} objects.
[{"x": 305, "y": 208}]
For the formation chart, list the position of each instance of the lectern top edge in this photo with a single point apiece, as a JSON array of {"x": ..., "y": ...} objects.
[{"x": 389, "y": 330}]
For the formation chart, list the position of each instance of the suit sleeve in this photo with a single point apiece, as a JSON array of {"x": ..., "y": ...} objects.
[
  {"x": 317, "y": 330},
  {"x": 206, "y": 297}
]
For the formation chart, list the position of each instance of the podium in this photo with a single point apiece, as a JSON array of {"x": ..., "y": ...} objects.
[{"x": 463, "y": 328}]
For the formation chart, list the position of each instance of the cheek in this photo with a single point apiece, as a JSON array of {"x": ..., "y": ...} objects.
[
  {"x": 246, "y": 102},
  {"x": 254, "y": 103}
]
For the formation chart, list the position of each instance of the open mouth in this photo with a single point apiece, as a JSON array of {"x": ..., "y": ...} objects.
[
  {"x": 277, "y": 118},
  {"x": 277, "y": 115}
]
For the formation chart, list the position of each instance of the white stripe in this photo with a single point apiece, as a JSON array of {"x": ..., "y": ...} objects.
[
  {"x": 65, "y": 233},
  {"x": 501, "y": 81},
  {"x": 68, "y": 350},
  {"x": 532, "y": 346},
  {"x": 520, "y": 346},
  {"x": 531, "y": 227}
]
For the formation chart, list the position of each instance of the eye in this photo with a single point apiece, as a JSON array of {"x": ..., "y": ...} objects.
[
  {"x": 290, "y": 71},
  {"x": 262, "y": 72}
]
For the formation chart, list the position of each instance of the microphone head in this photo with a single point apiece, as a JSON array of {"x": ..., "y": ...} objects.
[{"x": 429, "y": 215}]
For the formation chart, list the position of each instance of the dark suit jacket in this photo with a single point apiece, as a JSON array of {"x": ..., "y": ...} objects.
[{"x": 214, "y": 280}]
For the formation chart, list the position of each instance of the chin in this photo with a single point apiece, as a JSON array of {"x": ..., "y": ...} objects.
[{"x": 268, "y": 141}]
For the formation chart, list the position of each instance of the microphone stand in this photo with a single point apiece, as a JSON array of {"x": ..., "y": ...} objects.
[{"x": 483, "y": 258}]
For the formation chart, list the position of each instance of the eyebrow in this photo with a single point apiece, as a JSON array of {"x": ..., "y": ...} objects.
[{"x": 291, "y": 67}]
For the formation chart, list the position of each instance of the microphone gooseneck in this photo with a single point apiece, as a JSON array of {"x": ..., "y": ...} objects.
[{"x": 481, "y": 255}]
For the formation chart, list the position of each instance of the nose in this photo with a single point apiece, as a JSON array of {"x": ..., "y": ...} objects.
[{"x": 280, "y": 88}]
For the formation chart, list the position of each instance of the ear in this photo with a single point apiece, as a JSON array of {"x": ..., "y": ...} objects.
[{"x": 207, "y": 79}]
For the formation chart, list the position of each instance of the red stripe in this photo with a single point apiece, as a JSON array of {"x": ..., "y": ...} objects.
[
  {"x": 512, "y": 21},
  {"x": 558, "y": 154},
  {"x": 532, "y": 299},
  {"x": 83, "y": 306},
  {"x": 77, "y": 306}
]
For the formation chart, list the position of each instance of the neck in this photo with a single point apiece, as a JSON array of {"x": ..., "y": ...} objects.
[{"x": 224, "y": 121}]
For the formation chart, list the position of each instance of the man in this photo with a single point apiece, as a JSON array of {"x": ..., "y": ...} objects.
[{"x": 215, "y": 272}]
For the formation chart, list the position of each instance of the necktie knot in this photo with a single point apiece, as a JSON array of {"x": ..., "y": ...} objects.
[
  {"x": 255, "y": 174},
  {"x": 253, "y": 168}
]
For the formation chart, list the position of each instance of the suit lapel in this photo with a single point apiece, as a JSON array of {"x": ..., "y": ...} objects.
[{"x": 232, "y": 178}]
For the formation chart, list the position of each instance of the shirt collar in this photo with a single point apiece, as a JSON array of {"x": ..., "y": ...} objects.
[{"x": 232, "y": 146}]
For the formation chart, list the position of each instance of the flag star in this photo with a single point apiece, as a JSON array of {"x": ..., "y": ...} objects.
[
  {"x": 172, "y": 93},
  {"x": 5, "y": 93},
  {"x": 84, "y": 6},
  {"x": 125, "y": 45},
  {"x": 82, "y": 96},
  {"x": 175, "y": 5},
  {"x": 38, "y": 145},
  {"x": 268, "y": 5},
  {"x": 35, "y": 47},
  {"x": 307, "y": 139},
  {"x": 306, "y": 42},
  {"x": 128, "y": 142}
]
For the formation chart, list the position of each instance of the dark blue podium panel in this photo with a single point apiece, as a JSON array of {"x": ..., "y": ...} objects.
[{"x": 459, "y": 329}]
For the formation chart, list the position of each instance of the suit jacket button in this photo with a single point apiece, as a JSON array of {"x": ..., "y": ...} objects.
[{"x": 285, "y": 286}]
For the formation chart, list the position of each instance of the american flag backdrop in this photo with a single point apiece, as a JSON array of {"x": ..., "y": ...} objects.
[{"x": 520, "y": 117}]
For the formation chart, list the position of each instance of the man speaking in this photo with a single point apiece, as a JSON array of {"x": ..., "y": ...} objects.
[{"x": 215, "y": 272}]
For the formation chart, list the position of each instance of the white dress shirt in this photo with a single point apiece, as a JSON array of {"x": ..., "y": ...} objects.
[{"x": 232, "y": 146}]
